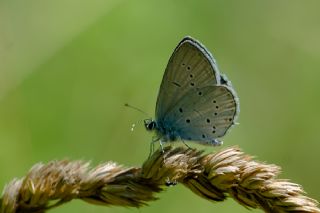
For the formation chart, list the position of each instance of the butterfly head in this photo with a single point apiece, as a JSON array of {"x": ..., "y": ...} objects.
[{"x": 150, "y": 124}]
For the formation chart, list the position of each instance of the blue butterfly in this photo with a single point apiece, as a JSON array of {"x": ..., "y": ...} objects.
[{"x": 195, "y": 103}]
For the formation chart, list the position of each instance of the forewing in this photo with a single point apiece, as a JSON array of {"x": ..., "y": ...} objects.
[{"x": 191, "y": 66}]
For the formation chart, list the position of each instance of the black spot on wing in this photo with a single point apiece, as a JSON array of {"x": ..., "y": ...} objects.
[{"x": 175, "y": 83}]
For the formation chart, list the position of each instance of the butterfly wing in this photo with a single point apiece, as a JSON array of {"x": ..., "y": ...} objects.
[
  {"x": 191, "y": 66},
  {"x": 205, "y": 114}
]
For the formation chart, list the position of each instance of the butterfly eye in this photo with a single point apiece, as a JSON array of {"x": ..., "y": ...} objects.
[
  {"x": 149, "y": 124},
  {"x": 152, "y": 125}
]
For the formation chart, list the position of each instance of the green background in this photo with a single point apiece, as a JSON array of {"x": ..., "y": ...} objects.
[{"x": 68, "y": 66}]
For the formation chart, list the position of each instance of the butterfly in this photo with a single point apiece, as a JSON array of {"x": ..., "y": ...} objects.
[{"x": 195, "y": 102}]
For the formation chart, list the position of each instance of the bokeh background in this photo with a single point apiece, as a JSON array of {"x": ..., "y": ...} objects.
[{"x": 68, "y": 66}]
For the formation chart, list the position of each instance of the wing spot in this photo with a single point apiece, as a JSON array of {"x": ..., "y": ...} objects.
[
  {"x": 208, "y": 120},
  {"x": 214, "y": 131},
  {"x": 192, "y": 84},
  {"x": 215, "y": 113},
  {"x": 203, "y": 136},
  {"x": 189, "y": 138},
  {"x": 191, "y": 76},
  {"x": 175, "y": 83},
  {"x": 183, "y": 64},
  {"x": 214, "y": 101},
  {"x": 200, "y": 93},
  {"x": 217, "y": 107},
  {"x": 214, "y": 127},
  {"x": 188, "y": 67},
  {"x": 188, "y": 121},
  {"x": 230, "y": 119},
  {"x": 180, "y": 110}
]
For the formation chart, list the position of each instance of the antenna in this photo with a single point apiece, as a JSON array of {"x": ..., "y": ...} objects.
[
  {"x": 136, "y": 108},
  {"x": 139, "y": 110}
]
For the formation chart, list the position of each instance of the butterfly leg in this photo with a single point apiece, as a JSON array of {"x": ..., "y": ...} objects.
[
  {"x": 162, "y": 150},
  {"x": 151, "y": 149},
  {"x": 170, "y": 182},
  {"x": 186, "y": 144},
  {"x": 152, "y": 145},
  {"x": 161, "y": 145}
]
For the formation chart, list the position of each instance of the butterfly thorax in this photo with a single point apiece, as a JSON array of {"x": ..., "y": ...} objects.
[{"x": 163, "y": 132}]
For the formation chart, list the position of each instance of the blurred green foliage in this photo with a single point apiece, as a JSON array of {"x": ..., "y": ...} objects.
[{"x": 67, "y": 68}]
